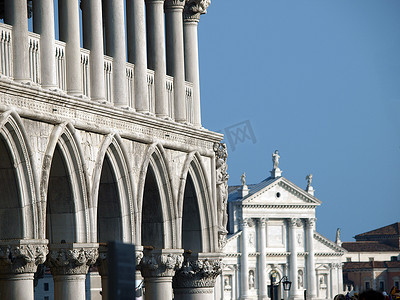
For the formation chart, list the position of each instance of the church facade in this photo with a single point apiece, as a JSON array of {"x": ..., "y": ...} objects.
[
  {"x": 272, "y": 234},
  {"x": 103, "y": 141}
]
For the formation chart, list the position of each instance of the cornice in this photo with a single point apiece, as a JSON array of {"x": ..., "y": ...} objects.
[
  {"x": 325, "y": 254},
  {"x": 329, "y": 243},
  {"x": 55, "y": 107},
  {"x": 278, "y": 206}
]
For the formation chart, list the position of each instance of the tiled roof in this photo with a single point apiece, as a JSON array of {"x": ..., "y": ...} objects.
[
  {"x": 368, "y": 246},
  {"x": 352, "y": 266},
  {"x": 393, "y": 229}
]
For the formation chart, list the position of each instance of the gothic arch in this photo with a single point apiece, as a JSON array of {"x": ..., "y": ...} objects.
[
  {"x": 155, "y": 168},
  {"x": 194, "y": 168},
  {"x": 64, "y": 144},
  {"x": 19, "y": 181},
  {"x": 113, "y": 152}
]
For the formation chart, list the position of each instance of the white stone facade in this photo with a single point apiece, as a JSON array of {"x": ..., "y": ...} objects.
[
  {"x": 272, "y": 230},
  {"x": 99, "y": 143}
]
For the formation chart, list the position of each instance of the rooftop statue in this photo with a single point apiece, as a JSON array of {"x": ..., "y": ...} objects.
[
  {"x": 243, "y": 178},
  {"x": 309, "y": 180},
  {"x": 275, "y": 159}
]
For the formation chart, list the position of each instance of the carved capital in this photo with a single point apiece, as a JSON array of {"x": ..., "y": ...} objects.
[
  {"x": 247, "y": 222},
  {"x": 199, "y": 273},
  {"x": 310, "y": 222},
  {"x": 160, "y": 263},
  {"x": 22, "y": 256},
  {"x": 101, "y": 262},
  {"x": 293, "y": 222},
  {"x": 174, "y": 4},
  {"x": 73, "y": 259},
  {"x": 195, "y": 8},
  {"x": 222, "y": 239},
  {"x": 263, "y": 221}
]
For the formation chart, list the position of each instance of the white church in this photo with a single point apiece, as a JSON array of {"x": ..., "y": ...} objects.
[{"x": 272, "y": 236}]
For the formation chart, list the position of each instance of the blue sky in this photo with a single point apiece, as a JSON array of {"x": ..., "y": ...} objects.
[{"x": 319, "y": 81}]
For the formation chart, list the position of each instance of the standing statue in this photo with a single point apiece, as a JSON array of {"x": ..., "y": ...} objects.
[
  {"x": 337, "y": 235},
  {"x": 275, "y": 159},
  {"x": 221, "y": 156},
  {"x": 309, "y": 180},
  {"x": 243, "y": 178}
]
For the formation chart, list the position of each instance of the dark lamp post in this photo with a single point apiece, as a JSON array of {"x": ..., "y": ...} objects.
[
  {"x": 285, "y": 281},
  {"x": 286, "y": 284}
]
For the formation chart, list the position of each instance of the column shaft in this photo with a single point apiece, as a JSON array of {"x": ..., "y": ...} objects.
[
  {"x": 293, "y": 259},
  {"x": 158, "y": 288},
  {"x": 70, "y": 34},
  {"x": 43, "y": 24},
  {"x": 137, "y": 51},
  {"x": 16, "y": 14},
  {"x": 244, "y": 262},
  {"x": 192, "y": 66},
  {"x": 156, "y": 52},
  {"x": 263, "y": 253},
  {"x": 69, "y": 287},
  {"x": 17, "y": 286},
  {"x": 312, "y": 281},
  {"x": 175, "y": 55},
  {"x": 93, "y": 41},
  {"x": 116, "y": 48}
]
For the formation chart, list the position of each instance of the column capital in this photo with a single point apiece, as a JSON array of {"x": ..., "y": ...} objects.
[
  {"x": 72, "y": 259},
  {"x": 293, "y": 222},
  {"x": 310, "y": 222},
  {"x": 263, "y": 221},
  {"x": 22, "y": 256},
  {"x": 246, "y": 222},
  {"x": 161, "y": 263},
  {"x": 198, "y": 273},
  {"x": 175, "y": 4},
  {"x": 195, "y": 8}
]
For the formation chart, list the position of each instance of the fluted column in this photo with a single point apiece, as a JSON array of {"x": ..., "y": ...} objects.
[
  {"x": 137, "y": 51},
  {"x": 175, "y": 54},
  {"x": 70, "y": 34},
  {"x": 311, "y": 278},
  {"x": 43, "y": 24},
  {"x": 93, "y": 41},
  {"x": 116, "y": 48},
  {"x": 196, "y": 279},
  {"x": 244, "y": 260},
  {"x": 193, "y": 10},
  {"x": 294, "y": 293},
  {"x": 18, "y": 264},
  {"x": 263, "y": 263},
  {"x": 69, "y": 264},
  {"x": 16, "y": 14},
  {"x": 158, "y": 267},
  {"x": 156, "y": 53}
]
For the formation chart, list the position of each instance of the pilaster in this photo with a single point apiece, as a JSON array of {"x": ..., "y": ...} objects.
[
  {"x": 262, "y": 223},
  {"x": 294, "y": 292},
  {"x": 244, "y": 259},
  {"x": 312, "y": 281}
]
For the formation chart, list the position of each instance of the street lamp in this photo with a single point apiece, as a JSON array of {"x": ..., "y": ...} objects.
[{"x": 285, "y": 281}]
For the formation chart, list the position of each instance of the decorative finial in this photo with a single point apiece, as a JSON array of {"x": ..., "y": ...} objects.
[
  {"x": 243, "y": 178},
  {"x": 276, "y": 172},
  {"x": 309, "y": 188}
]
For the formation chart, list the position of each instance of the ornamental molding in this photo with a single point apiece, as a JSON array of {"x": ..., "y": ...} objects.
[
  {"x": 175, "y": 4},
  {"x": 22, "y": 256},
  {"x": 57, "y": 107},
  {"x": 278, "y": 206},
  {"x": 326, "y": 254},
  {"x": 160, "y": 264},
  {"x": 329, "y": 243},
  {"x": 199, "y": 273},
  {"x": 71, "y": 260},
  {"x": 195, "y": 8}
]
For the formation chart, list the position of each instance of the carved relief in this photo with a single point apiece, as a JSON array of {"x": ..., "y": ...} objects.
[
  {"x": 160, "y": 265},
  {"x": 195, "y": 8}
]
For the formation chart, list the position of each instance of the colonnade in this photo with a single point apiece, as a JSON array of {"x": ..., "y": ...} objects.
[
  {"x": 169, "y": 48},
  {"x": 292, "y": 223}
]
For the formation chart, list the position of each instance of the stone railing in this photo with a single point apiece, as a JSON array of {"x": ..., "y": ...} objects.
[
  {"x": 169, "y": 84},
  {"x": 34, "y": 57},
  {"x": 85, "y": 69},
  {"x": 189, "y": 101},
  {"x": 5, "y": 50},
  {"x": 108, "y": 61},
  {"x": 151, "y": 91},
  {"x": 61, "y": 74},
  {"x": 130, "y": 84}
]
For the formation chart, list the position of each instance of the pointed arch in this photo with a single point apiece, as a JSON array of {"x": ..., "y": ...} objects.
[
  {"x": 155, "y": 167},
  {"x": 113, "y": 151},
  {"x": 23, "y": 206},
  {"x": 194, "y": 168},
  {"x": 65, "y": 143}
]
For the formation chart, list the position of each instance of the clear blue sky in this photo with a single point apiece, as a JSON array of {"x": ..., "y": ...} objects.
[{"x": 319, "y": 80}]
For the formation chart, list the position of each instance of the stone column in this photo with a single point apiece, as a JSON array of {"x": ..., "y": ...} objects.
[
  {"x": 311, "y": 278},
  {"x": 175, "y": 54},
  {"x": 116, "y": 48},
  {"x": 193, "y": 10},
  {"x": 43, "y": 24},
  {"x": 244, "y": 260},
  {"x": 69, "y": 264},
  {"x": 137, "y": 51},
  {"x": 294, "y": 292},
  {"x": 263, "y": 261},
  {"x": 196, "y": 279},
  {"x": 18, "y": 263},
  {"x": 70, "y": 34},
  {"x": 156, "y": 53},
  {"x": 93, "y": 40},
  {"x": 16, "y": 14},
  {"x": 158, "y": 267}
]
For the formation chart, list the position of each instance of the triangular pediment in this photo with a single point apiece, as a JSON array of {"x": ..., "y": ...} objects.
[
  {"x": 323, "y": 245},
  {"x": 279, "y": 192}
]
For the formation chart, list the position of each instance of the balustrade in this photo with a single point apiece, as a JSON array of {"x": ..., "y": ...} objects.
[
  {"x": 130, "y": 84},
  {"x": 151, "y": 90},
  {"x": 85, "y": 69},
  {"x": 108, "y": 77},
  {"x": 34, "y": 63},
  {"x": 169, "y": 83},
  {"x": 189, "y": 101},
  {"x": 60, "y": 66},
  {"x": 5, "y": 50}
]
